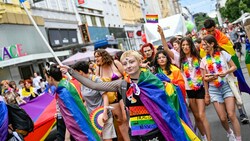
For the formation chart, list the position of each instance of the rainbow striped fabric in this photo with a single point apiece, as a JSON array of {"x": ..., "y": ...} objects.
[
  {"x": 154, "y": 97},
  {"x": 3, "y": 120},
  {"x": 74, "y": 112},
  {"x": 152, "y": 18},
  {"x": 247, "y": 58},
  {"x": 42, "y": 111}
]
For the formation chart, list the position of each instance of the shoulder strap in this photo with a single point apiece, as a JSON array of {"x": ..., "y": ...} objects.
[
  {"x": 123, "y": 91},
  {"x": 117, "y": 68}
]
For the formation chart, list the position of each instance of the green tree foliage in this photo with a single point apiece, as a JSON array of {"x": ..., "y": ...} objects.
[
  {"x": 233, "y": 8},
  {"x": 200, "y": 18}
]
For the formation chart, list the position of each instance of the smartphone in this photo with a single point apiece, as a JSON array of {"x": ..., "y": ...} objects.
[{"x": 209, "y": 74}]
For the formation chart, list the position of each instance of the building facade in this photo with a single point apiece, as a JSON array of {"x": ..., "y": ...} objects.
[
  {"x": 131, "y": 15},
  {"x": 102, "y": 19},
  {"x": 60, "y": 21},
  {"x": 22, "y": 50}
]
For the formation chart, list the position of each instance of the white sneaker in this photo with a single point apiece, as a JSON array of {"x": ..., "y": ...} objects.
[
  {"x": 231, "y": 136},
  {"x": 203, "y": 138}
]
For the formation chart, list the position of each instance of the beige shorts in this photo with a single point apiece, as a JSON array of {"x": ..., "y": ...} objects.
[{"x": 108, "y": 130}]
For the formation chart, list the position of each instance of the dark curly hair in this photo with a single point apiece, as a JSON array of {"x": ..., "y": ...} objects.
[
  {"x": 194, "y": 52},
  {"x": 168, "y": 64},
  {"x": 106, "y": 57}
]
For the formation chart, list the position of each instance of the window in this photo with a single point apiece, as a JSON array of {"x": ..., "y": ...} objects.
[
  {"x": 41, "y": 4},
  {"x": 84, "y": 20},
  {"x": 102, "y": 22},
  {"x": 93, "y": 20}
]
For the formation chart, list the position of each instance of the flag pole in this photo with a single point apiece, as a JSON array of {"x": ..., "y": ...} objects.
[{"x": 41, "y": 35}]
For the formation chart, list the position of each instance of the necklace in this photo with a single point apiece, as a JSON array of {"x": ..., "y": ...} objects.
[
  {"x": 197, "y": 72},
  {"x": 211, "y": 69}
]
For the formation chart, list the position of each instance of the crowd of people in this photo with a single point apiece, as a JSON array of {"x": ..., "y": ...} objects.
[{"x": 135, "y": 88}]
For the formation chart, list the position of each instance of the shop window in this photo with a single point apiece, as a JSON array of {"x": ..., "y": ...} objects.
[
  {"x": 26, "y": 71},
  {"x": 61, "y": 37}
]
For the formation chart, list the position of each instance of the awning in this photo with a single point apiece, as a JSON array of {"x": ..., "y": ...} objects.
[
  {"x": 105, "y": 43},
  {"x": 86, "y": 56},
  {"x": 31, "y": 57}
]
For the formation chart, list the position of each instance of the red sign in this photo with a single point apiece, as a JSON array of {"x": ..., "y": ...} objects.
[
  {"x": 81, "y": 1},
  {"x": 130, "y": 34},
  {"x": 138, "y": 33}
]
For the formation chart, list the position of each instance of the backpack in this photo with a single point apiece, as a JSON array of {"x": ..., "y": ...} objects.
[{"x": 20, "y": 120}]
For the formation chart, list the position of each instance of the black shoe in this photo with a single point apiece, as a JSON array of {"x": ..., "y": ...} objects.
[{"x": 244, "y": 119}]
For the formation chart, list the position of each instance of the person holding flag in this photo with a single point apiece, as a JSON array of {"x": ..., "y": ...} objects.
[
  {"x": 225, "y": 43},
  {"x": 71, "y": 106}
]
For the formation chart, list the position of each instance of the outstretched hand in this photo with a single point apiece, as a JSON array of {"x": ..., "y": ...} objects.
[
  {"x": 64, "y": 69},
  {"x": 160, "y": 30}
]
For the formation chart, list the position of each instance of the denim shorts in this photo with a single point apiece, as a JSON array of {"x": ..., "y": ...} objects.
[{"x": 221, "y": 93}]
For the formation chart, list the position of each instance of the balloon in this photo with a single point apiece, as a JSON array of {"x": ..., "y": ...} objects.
[
  {"x": 143, "y": 38},
  {"x": 190, "y": 26}
]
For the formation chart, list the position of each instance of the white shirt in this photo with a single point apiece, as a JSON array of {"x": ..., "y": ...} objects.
[{"x": 224, "y": 61}]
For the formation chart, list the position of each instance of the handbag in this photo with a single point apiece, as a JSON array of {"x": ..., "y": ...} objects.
[{"x": 233, "y": 83}]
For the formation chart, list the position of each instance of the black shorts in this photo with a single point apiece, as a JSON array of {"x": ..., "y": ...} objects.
[{"x": 198, "y": 94}]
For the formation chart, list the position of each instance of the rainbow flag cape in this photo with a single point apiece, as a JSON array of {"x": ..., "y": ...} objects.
[
  {"x": 162, "y": 110},
  {"x": 247, "y": 58},
  {"x": 177, "y": 99},
  {"x": 226, "y": 44},
  {"x": 152, "y": 18},
  {"x": 3, "y": 120},
  {"x": 74, "y": 112},
  {"x": 42, "y": 111}
]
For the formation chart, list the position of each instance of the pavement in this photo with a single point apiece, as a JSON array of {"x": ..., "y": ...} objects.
[{"x": 217, "y": 131}]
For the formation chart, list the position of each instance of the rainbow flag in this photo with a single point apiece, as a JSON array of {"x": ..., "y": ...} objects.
[
  {"x": 3, "y": 120},
  {"x": 247, "y": 58},
  {"x": 152, "y": 18},
  {"x": 74, "y": 112},
  {"x": 161, "y": 108},
  {"x": 175, "y": 94},
  {"x": 226, "y": 44},
  {"x": 42, "y": 111}
]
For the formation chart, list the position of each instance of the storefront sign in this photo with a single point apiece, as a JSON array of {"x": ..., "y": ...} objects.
[{"x": 10, "y": 52}]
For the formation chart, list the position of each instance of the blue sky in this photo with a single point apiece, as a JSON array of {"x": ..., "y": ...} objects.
[{"x": 196, "y": 6}]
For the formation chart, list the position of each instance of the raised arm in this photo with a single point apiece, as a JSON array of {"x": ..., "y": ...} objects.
[
  {"x": 112, "y": 86},
  {"x": 164, "y": 42}
]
